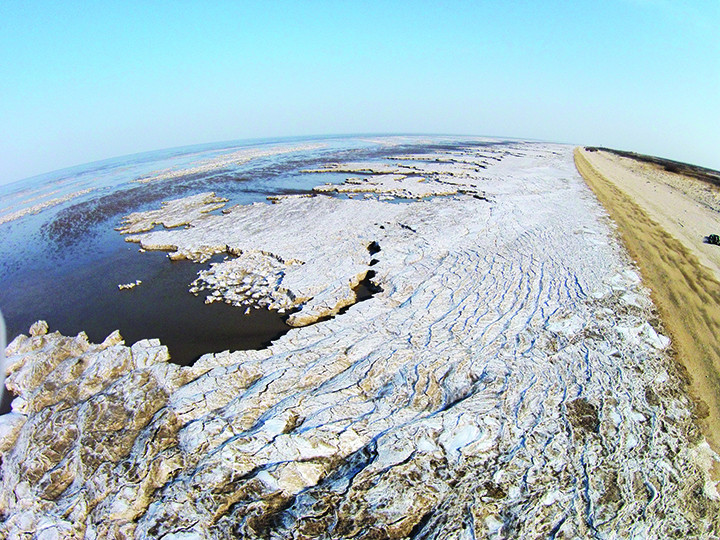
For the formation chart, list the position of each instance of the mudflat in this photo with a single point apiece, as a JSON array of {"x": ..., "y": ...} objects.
[{"x": 663, "y": 215}]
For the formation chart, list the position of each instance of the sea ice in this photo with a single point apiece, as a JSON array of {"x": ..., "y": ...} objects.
[{"x": 503, "y": 382}]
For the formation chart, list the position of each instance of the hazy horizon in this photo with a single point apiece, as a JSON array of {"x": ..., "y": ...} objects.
[
  {"x": 81, "y": 84},
  {"x": 259, "y": 141}
]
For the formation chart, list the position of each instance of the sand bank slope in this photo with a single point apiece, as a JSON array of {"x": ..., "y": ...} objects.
[{"x": 663, "y": 220}]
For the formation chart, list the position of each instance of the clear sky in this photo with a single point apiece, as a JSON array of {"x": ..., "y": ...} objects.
[{"x": 82, "y": 81}]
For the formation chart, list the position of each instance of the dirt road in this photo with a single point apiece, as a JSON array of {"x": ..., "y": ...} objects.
[{"x": 663, "y": 218}]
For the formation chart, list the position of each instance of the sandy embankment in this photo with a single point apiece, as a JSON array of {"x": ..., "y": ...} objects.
[{"x": 663, "y": 218}]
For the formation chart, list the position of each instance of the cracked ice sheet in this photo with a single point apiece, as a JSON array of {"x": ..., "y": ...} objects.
[
  {"x": 316, "y": 263},
  {"x": 504, "y": 381}
]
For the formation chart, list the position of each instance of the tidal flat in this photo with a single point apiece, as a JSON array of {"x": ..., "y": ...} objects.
[{"x": 508, "y": 376}]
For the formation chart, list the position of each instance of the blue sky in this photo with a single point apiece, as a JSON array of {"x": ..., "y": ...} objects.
[{"x": 82, "y": 81}]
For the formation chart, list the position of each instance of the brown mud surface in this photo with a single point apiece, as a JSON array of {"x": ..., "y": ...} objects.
[{"x": 656, "y": 211}]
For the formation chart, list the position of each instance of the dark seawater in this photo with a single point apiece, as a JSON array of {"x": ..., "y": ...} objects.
[{"x": 64, "y": 263}]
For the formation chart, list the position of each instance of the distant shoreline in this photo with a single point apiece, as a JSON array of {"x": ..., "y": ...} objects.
[{"x": 685, "y": 290}]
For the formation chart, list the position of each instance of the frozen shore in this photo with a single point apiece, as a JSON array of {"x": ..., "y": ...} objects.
[{"x": 510, "y": 379}]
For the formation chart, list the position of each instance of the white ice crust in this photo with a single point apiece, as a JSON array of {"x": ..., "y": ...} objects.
[{"x": 504, "y": 383}]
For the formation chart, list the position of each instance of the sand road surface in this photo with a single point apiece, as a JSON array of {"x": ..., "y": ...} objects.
[{"x": 663, "y": 218}]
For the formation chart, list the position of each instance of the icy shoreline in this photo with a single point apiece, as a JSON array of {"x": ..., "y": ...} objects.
[{"x": 505, "y": 381}]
